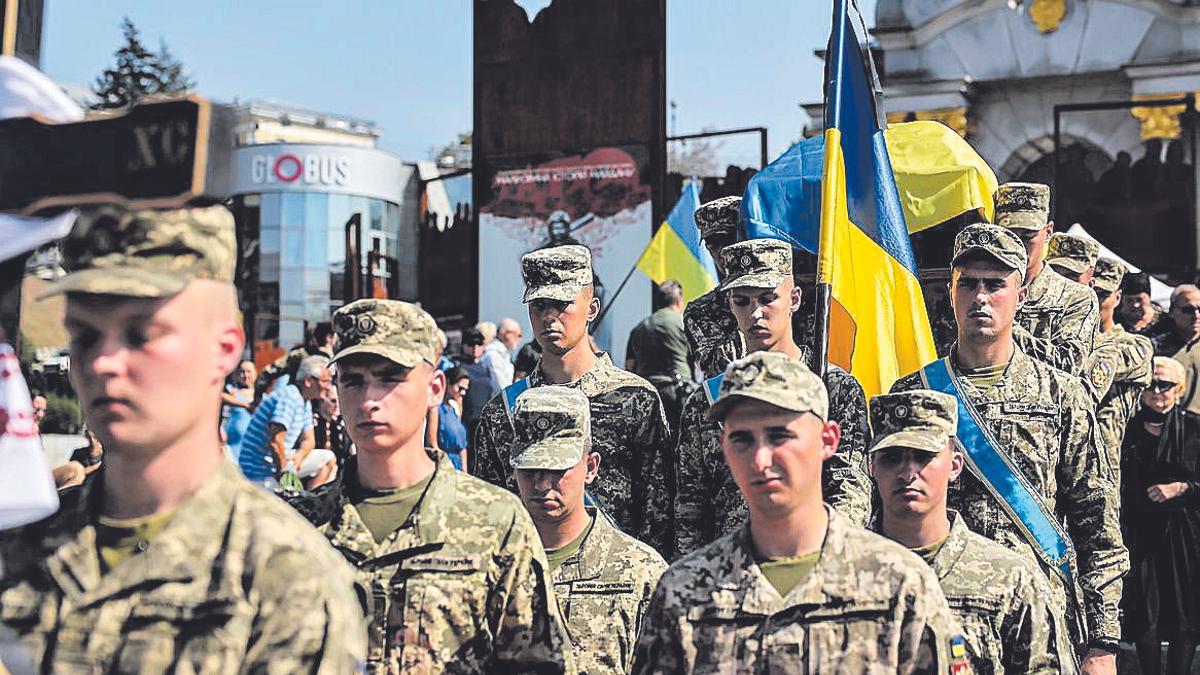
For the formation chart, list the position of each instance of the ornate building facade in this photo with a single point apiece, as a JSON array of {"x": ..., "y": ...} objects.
[{"x": 996, "y": 70}]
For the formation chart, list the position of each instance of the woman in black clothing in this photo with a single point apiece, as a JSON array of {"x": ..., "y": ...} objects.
[{"x": 1161, "y": 514}]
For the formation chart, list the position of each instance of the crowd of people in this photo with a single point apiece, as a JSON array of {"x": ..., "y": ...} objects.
[{"x": 1022, "y": 506}]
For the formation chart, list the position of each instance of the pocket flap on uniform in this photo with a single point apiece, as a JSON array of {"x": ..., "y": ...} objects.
[
  {"x": 451, "y": 564},
  {"x": 974, "y": 602},
  {"x": 1030, "y": 408},
  {"x": 602, "y": 587},
  {"x": 155, "y": 609},
  {"x": 857, "y": 610}
]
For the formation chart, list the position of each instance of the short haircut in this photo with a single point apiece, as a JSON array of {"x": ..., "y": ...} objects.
[
  {"x": 311, "y": 368},
  {"x": 487, "y": 329},
  {"x": 667, "y": 293},
  {"x": 322, "y": 332},
  {"x": 456, "y": 373},
  {"x": 1182, "y": 290},
  {"x": 508, "y": 324}
]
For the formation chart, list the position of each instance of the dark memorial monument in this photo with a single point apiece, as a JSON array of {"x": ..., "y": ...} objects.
[{"x": 569, "y": 126}]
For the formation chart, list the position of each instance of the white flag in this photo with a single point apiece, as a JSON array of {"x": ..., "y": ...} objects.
[{"x": 27, "y": 491}]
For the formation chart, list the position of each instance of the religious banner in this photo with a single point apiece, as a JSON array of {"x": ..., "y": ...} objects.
[{"x": 600, "y": 199}]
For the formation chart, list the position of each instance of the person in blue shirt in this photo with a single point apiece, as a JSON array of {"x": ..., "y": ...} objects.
[{"x": 452, "y": 433}]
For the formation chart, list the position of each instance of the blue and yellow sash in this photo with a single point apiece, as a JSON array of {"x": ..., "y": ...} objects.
[
  {"x": 712, "y": 387},
  {"x": 510, "y": 394},
  {"x": 989, "y": 462}
]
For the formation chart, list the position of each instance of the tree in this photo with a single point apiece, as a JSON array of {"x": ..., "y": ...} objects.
[
  {"x": 695, "y": 157},
  {"x": 138, "y": 72}
]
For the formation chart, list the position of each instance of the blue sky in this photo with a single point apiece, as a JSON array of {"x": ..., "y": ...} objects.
[{"x": 406, "y": 64}]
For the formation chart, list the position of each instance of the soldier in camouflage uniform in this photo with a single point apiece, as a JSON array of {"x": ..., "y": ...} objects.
[
  {"x": 998, "y": 597},
  {"x": 763, "y": 297},
  {"x": 711, "y": 330},
  {"x": 1058, "y": 321},
  {"x": 629, "y": 427},
  {"x": 166, "y": 559},
  {"x": 450, "y": 568},
  {"x": 796, "y": 589},
  {"x": 603, "y": 578},
  {"x": 1120, "y": 366},
  {"x": 1073, "y": 257},
  {"x": 1044, "y": 420}
]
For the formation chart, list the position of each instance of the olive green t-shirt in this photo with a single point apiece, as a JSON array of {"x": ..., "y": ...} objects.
[
  {"x": 557, "y": 556},
  {"x": 118, "y": 539},
  {"x": 928, "y": 553},
  {"x": 787, "y": 573},
  {"x": 984, "y": 378},
  {"x": 384, "y": 511}
]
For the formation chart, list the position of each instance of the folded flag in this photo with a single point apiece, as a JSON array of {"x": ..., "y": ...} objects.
[{"x": 676, "y": 251}]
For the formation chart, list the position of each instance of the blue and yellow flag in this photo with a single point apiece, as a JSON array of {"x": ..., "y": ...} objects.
[
  {"x": 676, "y": 252},
  {"x": 878, "y": 327}
]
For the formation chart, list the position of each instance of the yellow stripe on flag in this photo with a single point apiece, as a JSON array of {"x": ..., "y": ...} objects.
[
  {"x": 667, "y": 257},
  {"x": 878, "y": 328}
]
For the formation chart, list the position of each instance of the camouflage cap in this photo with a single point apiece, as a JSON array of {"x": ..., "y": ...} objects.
[
  {"x": 994, "y": 240},
  {"x": 757, "y": 263},
  {"x": 398, "y": 331},
  {"x": 553, "y": 425},
  {"x": 920, "y": 419},
  {"x": 720, "y": 216},
  {"x": 1072, "y": 251},
  {"x": 556, "y": 273},
  {"x": 1109, "y": 274},
  {"x": 112, "y": 250},
  {"x": 773, "y": 378},
  {"x": 1023, "y": 206}
]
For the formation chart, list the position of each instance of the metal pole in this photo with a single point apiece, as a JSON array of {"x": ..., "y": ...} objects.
[
  {"x": 611, "y": 302},
  {"x": 824, "y": 299},
  {"x": 762, "y": 163}
]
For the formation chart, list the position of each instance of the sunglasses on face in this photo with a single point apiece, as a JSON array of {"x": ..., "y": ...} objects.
[{"x": 1162, "y": 386}]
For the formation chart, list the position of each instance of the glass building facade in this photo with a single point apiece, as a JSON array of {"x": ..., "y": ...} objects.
[{"x": 293, "y": 268}]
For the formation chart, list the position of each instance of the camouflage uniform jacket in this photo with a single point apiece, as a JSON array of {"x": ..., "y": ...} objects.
[
  {"x": 629, "y": 430},
  {"x": 1000, "y": 600},
  {"x": 1058, "y": 322},
  {"x": 869, "y": 606},
  {"x": 1043, "y": 418},
  {"x": 603, "y": 591},
  {"x": 712, "y": 333},
  {"x": 709, "y": 504},
  {"x": 234, "y": 583},
  {"x": 1117, "y": 371},
  {"x": 462, "y": 586}
]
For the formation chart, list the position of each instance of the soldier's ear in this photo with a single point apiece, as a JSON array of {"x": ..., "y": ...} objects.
[
  {"x": 437, "y": 388},
  {"x": 957, "y": 462},
  {"x": 592, "y": 467}
]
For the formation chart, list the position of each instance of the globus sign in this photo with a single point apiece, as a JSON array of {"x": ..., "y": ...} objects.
[{"x": 310, "y": 168}]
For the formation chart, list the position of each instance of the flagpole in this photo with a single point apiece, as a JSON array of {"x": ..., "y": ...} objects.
[
  {"x": 608, "y": 305},
  {"x": 830, "y": 185}
]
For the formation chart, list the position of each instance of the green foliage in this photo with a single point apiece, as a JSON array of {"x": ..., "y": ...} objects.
[
  {"x": 63, "y": 415},
  {"x": 139, "y": 72}
]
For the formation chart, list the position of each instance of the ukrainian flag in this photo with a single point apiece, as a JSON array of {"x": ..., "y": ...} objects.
[
  {"x": 878, "y": 327},
  {"x": 676, "y": 252}
]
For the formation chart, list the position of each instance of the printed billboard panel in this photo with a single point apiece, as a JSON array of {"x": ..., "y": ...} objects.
[{"x": 601, "y": 199}]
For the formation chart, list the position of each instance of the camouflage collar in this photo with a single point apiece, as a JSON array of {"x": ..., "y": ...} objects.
[
  {"x": 588, "y": 562},
  {"x": 1044, "y": 285},
  {"x": 754, "y": 594},
  {"x": 594, "y": 382},
  {"x": 176, "y": 554},
  {"x": 348, "y": 533},
  {"x": 956, "y": 543}
]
